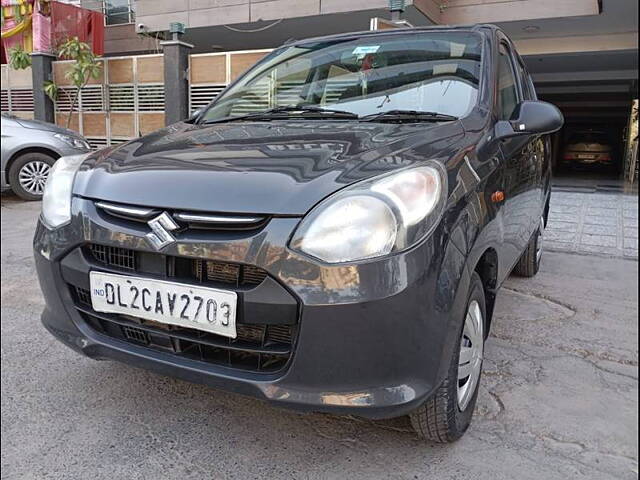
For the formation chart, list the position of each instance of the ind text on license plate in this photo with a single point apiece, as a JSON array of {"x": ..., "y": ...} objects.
[{"x": 209, "y": 309}]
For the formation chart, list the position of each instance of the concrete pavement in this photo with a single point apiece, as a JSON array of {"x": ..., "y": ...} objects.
[
  {"x": 599, "y": 223},
  {"x": 558, "y": 398}
]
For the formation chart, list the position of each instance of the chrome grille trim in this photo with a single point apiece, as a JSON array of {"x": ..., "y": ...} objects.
[
  {"x": 200, "y": 218},
  {"x": 193, "y": 219},
  {"x": 127, "y": 211}
]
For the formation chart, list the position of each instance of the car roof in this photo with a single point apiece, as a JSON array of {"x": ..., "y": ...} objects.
[{"x": 486, "y": 27}]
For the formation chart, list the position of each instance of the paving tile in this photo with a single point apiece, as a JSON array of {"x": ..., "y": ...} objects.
[
  {"x": 599, "y": 223},
  {"x": 566, "y": 195},
  {"x": 557, "y": 236},
  {"x": 631, "y": 232},
  {"x": 598, "y": 240},
  {"x": 601, "y": 220},
  {"x": 592, "y": 229},
  {"x": 598, "y": 249},
  {"x": 565, "y": 209},
  {"x": 599, "y": 200},
  {"x": 602, "y": 199},
  {"x": 562, "y": 217},
  {"x": 559, "y": 246},
  {"x": 562, "y": 226},
  {"x": 593, "y": 211},
  {"x": 566, "y": 202},
  {"x": 604, "y": 205}
]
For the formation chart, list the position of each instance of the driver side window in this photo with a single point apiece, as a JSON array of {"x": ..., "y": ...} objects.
[{"x": 507, "y": 89}]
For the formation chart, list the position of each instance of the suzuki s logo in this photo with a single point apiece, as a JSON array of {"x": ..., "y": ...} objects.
[{"x": 160, "y": 235}]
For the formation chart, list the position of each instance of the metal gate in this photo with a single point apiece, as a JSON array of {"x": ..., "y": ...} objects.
[
  {"x": 125, "y": 102},
  {"x": 210, "y": 73},
  {"x": 16, "y": 94}
]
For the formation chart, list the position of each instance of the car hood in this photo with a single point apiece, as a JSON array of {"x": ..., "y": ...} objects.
[
  {"x": 279, "y": 167},
  {"x": 44, "y": 126}
]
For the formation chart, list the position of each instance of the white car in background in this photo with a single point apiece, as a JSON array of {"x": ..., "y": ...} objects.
[{"x": 29, "y": 148}]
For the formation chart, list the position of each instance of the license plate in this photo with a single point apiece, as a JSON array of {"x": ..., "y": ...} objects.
[
  {"x": 208, "y": 309},
  {"x": 586, "y": 156}
]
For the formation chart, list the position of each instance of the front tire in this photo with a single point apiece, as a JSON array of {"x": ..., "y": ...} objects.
[
  {"x": 28, "y": 175},
  {"x": 529, "y": 262},
  {"x": 446, "y": 415}
]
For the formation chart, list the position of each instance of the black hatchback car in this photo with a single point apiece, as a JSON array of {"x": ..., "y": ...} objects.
[{"x": 328, "y": 235}]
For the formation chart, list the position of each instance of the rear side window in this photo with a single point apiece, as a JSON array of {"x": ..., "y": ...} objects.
[{"x": 507, "y": 89}]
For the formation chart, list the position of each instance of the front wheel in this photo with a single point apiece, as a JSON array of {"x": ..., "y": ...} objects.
[
  {"x": 446, "y": 415},
  {"x": 29, "y": 173}
]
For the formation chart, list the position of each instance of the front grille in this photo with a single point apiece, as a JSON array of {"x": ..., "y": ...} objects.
[
  {"x": 135, "y": 334},
  {"x": 222, "y": 272},
  {"x": 83, "y": 296},
  {"x": 257, "y": 348},
  {"x": 252, "y": 275},
  {"x": 228, "y": 273},
  {"x": 232, "y": 274},
  {"x": 114, "y": 256}
]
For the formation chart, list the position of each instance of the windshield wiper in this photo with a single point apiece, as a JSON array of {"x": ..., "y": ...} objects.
[
  {"x": 408, "y": 116},
  {"x": 289, "y": 110},
  {"x": 306, "y": 109}
]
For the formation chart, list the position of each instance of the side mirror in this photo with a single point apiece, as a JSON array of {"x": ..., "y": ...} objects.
[{"x": 530, "y": 118}]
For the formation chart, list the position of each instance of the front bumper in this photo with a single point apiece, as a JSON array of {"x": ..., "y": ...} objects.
[{"x": 372, "y": 339}]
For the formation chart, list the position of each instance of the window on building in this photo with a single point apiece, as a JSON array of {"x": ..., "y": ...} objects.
[{"x": 117, "y": 12}]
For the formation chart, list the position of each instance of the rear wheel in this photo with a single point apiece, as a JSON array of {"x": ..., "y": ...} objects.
[
  {"x": 529, "y": 263},
  {"x": 29, "y": 173},
  {"x": 447, "y": 414}
]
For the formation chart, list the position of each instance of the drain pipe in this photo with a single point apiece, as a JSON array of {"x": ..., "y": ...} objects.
[{"x": 396, "y": 7}]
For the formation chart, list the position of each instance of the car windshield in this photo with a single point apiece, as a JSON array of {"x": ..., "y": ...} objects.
[{"x": 436, "y": 72}]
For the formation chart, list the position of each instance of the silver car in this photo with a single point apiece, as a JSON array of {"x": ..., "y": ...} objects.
[{"x": 29, "y": 149}]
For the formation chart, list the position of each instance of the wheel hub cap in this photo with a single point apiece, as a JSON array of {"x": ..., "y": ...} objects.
[
  {"x": 33, "y": 177},
  {"x": 471, "y": 352}
]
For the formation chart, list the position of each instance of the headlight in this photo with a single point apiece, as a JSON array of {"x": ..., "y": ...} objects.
[
  {"x": 56, "y": 201},
  {"x": 374, "y": 218},
  {"x": 75, "y": 142}
]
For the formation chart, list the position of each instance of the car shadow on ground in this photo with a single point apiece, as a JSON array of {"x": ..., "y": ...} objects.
[{"x": 8, "y": 199}]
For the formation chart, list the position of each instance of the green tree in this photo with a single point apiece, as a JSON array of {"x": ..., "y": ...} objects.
[
  {"x": 85, "y": 67},
  {"x": 18, "y": 58}
]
